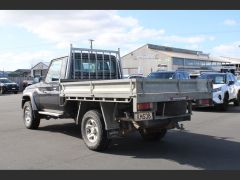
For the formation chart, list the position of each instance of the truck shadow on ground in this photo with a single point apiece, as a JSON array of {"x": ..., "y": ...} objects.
[
  {"x": 68, "y": 128},
  {"x": 231, "y": 109},
  {"x": 183, "y": 147}
]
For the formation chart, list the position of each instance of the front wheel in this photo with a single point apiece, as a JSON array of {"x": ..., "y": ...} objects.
[
  {"x": 30, "y": 119},
  {"x": 224, "y": 106},
  {"x": 237, "y": 101},
  {"x": 93, "y": 131},
  {"x": 152, "y": 136}
]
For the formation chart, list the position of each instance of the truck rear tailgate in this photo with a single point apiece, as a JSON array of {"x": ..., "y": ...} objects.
[{"x": 152, "y": 90}]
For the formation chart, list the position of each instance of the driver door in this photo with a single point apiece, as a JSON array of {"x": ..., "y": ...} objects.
[{"x": 49, "y": 90}]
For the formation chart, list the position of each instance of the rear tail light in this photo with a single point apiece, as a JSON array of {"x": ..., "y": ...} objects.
[
  {"x": 204, "y": 101},
  {"x": 144, "y": 106}
]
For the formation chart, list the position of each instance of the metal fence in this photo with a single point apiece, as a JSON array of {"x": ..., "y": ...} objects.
[{"x": 19, "y": 81}]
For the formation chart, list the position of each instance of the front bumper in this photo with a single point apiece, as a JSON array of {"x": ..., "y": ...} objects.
[
  {"x": 12, "y": 89},
  {"x": 203, "y": 103}
]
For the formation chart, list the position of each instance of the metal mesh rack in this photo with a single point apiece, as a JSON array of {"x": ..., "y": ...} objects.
[{"x": 95, "y": 64}]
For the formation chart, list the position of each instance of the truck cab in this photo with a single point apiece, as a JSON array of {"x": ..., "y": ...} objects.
[{"x": 82, "y": 66}]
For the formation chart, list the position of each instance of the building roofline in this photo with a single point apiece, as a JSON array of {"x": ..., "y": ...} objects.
[
  {"x": 169, "y": 49},
  {"x": 134, "y": 50},
  {"x": 173, "y": 49},
  {"x": 38, "y": 64}
]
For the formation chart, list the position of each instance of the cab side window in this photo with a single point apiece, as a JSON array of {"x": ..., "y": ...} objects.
[{"x": 54, "y": 72}]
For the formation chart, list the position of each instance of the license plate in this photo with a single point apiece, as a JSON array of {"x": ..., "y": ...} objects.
[
  {"x": 13, "y": 88},
  {"x": 141, "y": 116}
]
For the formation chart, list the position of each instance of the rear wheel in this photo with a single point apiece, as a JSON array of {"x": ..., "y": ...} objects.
[
  {"x": 152, "y": 136},
  {"x": 30, "y": 119},
  {"x": 93, "y": 131},
  {"x": 15, "y": 92},
  {"x": 237, "y": 101}
]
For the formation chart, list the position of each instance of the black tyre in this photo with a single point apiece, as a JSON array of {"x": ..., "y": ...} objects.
[
  {"x": 30, "y": 119},
  {"x": 237, "y": 101},
  {"x": 15, "y": 92},
  {"x": 152, "y": 136},
  {"x": 93, "y": 131},
  {"x": 224, "y": 106},
  {"x": 2, "y": 90}
]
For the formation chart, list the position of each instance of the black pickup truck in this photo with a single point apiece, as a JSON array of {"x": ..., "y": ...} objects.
[{"x": 88, "y": 86}]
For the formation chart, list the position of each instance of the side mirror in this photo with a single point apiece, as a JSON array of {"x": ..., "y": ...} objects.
[{"x": 230, "y": 83}]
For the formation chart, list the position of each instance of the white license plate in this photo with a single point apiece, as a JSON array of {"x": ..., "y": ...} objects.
[
  {"x": 141, "y": 116},
  {"x": 13, "y": 88}
]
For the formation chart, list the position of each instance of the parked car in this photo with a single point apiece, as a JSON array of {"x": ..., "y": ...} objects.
[
  {"x": 226, "y": 88},
  {"x": 26, "y": 83},
  {"x": 33, "y": 81},
  {"x": 169, "y": 75},
  {"x": 194, "y": 75},
  {"x": 8, "y": 86}
]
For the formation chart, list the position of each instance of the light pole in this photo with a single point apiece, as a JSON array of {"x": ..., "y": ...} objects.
[{"x": 91, "y": 40}]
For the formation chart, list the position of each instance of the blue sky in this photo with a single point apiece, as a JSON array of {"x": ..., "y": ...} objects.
[{"x": 28, "y": 37}]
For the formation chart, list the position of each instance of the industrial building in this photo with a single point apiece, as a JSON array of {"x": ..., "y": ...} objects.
[
  {"x": 151, "y": 57},
  {"x": 40, "y": 69}
]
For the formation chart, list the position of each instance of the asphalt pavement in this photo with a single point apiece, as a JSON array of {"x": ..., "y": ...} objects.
[{"x": 211, "y": 140}]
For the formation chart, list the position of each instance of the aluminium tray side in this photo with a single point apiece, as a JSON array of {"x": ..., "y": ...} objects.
[{"x": 141, "y": 90}]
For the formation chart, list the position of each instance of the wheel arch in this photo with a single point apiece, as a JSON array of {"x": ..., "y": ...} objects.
[
  {"x": 29, "y": 97},
  {"x": 226, "y": 93},
  {"x": 106, "y": 108},
  {"x": 24, "y": 100}
]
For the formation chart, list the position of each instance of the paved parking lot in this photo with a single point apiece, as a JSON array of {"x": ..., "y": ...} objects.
[{"x": 211, "y": 141}]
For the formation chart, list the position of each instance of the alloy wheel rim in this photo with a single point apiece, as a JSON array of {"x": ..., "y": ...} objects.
[
  {"x": 92, "y": 131},
  {"x": 27, "y": 116}
]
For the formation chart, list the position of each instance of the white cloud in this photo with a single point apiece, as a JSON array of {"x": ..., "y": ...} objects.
[
  {"x": 63, "y": 27},
  {"x": 230, "y": 50},
  {"x": 230, "y": 22},
  {"x": 189, "y": 40},
  {"x": 25, "y": 60},
  {"x": 107, "y": 28}
]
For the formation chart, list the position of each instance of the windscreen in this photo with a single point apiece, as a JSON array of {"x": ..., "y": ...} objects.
[
  {"x": 161, "y": 75},
  {"x": 216, "y": 78},
  {"x": 5, "y": 81}
]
